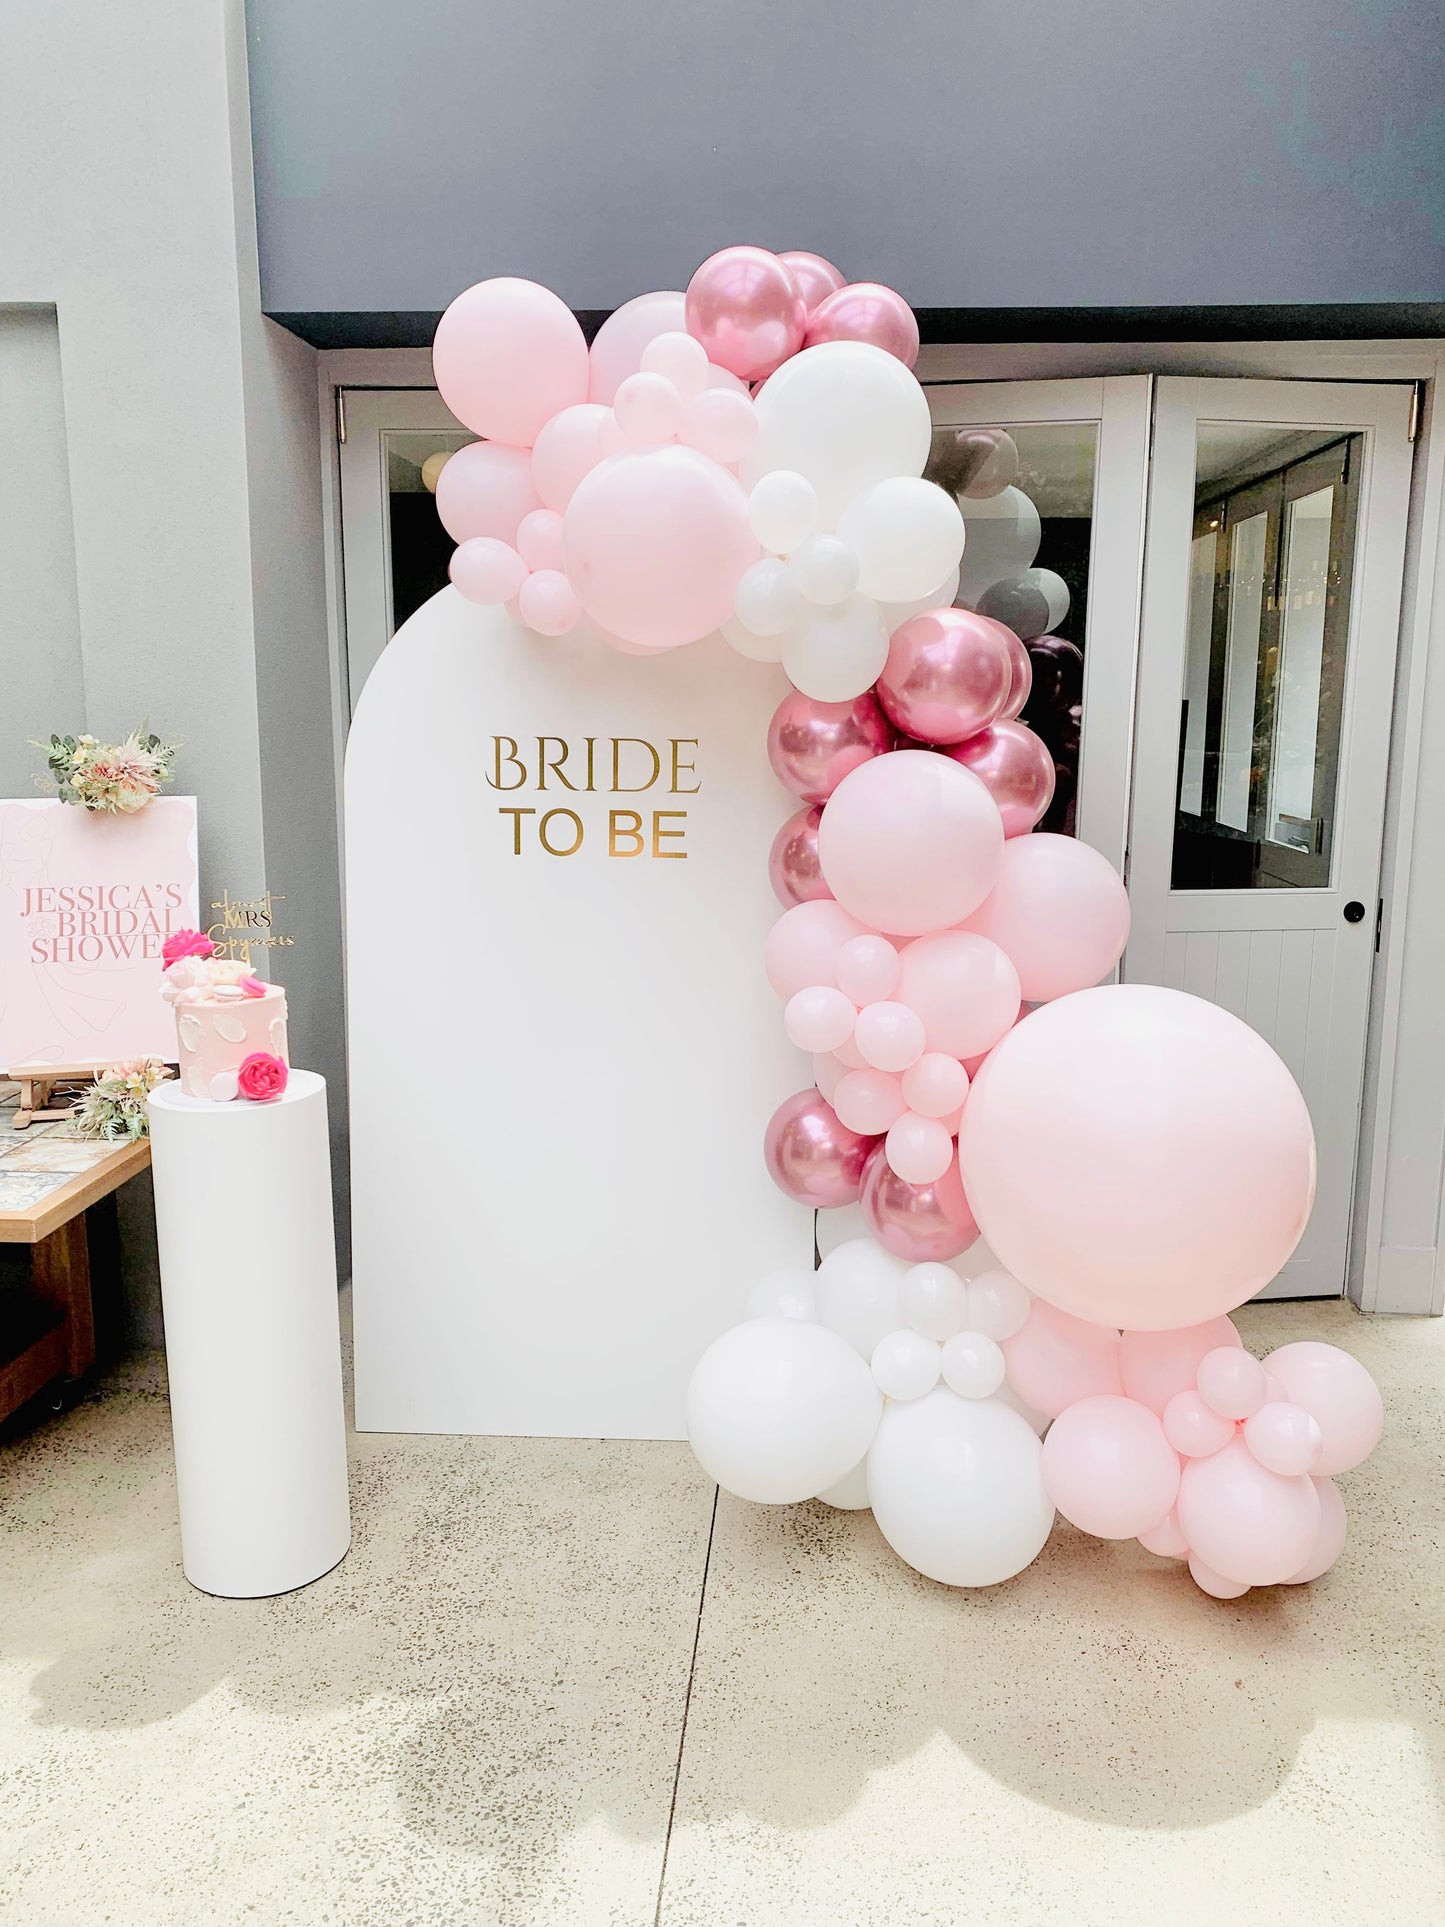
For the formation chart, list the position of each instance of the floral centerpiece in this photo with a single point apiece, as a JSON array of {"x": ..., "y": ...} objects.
[
  {"x": 114, "y": 1107},
  {"x": 115, "y": 778}
]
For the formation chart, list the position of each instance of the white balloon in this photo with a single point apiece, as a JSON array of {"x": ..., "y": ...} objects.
[
  {"x": 895, "y": 614},
  {"x": 783, "y": 510},
  {"x": 934, "y": 1300},
  {"x": 778, "y": 1410},
  {"x": 755, "y": 648},
  {"x": 850, "y": 1494},
  {"x": 1002, "y": 536},
  {"x": 846, "y": 415},
  {"x": 767, "y": 599},
  {"x": 973, "y": 1366},
  {"x": 998, "y": 1304},
  {"x": 825, "y": 569},
  {"x": 789, "y": 1293},
  {"x": 833, "y": 655},
  {"x": 956, "y": 1486},
  {"x": 907, "y": 535},
  {"x": 905, "y": 1364},
  {"x": 858, "y": 1292},
  {"x": 1031, "y": 604}
]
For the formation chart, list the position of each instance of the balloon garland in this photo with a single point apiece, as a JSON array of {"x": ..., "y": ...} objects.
[{"x": 748, "y": 457}]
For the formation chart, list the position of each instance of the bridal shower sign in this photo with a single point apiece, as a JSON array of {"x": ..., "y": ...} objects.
[{"x": 86, "y": 903}]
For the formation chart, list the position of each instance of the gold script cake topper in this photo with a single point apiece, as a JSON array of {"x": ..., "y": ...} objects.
[{"x": 246, "y": 924}]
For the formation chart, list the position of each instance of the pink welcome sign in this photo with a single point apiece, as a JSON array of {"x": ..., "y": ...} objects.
[{"x": 86, "y": 901}]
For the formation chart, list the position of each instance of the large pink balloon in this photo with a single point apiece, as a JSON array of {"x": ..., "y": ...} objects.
[
  {"x": 1015, "y": 768},
  {"x": 617, "y": 346},
  {"x": 746, "y": 308},
  {"x": 1138, "y": 1157},
  {"x": 1060, "y": 911},
  {"x": 1156, "y": 1365},
  {"x": 866, "y": 311},
  {"x": 811, "y": 1155},
  {"x": 1329, "y": 1536},
  {"x": 947, "y": 676},
  {"x": 793, "y": 860},
  {"x": 485, "y": 490},
  {"x": 916, "y": 1222},
  {"x": 567, "y": 449},
  {"x": 812, "y": 746},
  {"x": 655, "y": 545},
  {"x": 1054, "y": 1360},
  {"x": 508, "y": 355},
  {"x": 1109, "y": 1468},
  {"x": 1248, "y": 1524},
  {"x": 1339, "y": 1395},
  {"x": 963, "y": 987},
  {"x": 910, "y": 842},
  {"x": 802, "y": 946},
  {"x": 816, "y": 276}
]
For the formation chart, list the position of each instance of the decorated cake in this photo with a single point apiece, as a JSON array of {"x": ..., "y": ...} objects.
[{"x": 230, "y": 1027}]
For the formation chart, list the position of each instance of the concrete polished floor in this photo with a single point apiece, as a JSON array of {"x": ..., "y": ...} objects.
[{"x": 555, "y": 1685}]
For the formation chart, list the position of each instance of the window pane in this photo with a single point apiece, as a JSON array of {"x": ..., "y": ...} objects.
[
  {"x": 1196, "y": 668},
  {"x": 1241, "y": 670},
  {"x": 1301, "y": 646}
]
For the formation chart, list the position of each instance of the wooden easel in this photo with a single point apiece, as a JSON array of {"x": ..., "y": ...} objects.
[{"x": 45, "y": 1093}]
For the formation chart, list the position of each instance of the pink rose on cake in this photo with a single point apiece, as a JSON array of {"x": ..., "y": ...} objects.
[
  {"x": 261, "y": 1076},
  {"x": 185, "y": 943}
]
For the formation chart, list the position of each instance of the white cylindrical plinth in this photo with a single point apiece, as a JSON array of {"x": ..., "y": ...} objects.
[{"x": 253, "y": 1344}]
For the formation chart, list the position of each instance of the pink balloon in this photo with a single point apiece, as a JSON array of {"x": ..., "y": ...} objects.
[
  {"x": 793, "y": 860},
  {"x": 484, "y": 570},
  {"x": 1247, "y": 1524},
  {"x": 746, "y": 308},
  {"x": 1055, "y": 1360},
  {"x": 867, "y": 969},
  {"x": 1339, "y": 1395},
  {"x": 811, "y": 1155},
  {"x": 869, "y": 1101},
  {"x": 919, "y": 1149},
  {"x": 916, "y": 1222},
  {"x": 818, "y": 1018},
  {"x": 1194, "y": 1428},
  {"x": 1165, "y": 1539},
  {"x": 889, "y": 1036},
  {"x": 1138, "y": 1156},
  {"x": 1284, "y": 1438},
  {"x": 508, "y": 355},
  {"x": 802, "y": 946},
  {"x": 656, "y": 544},
  {"x": 1015, "y": 768},
  {"x": 936, "y": 1085},
  {"x": 866, "y": 311},
  {"x": 816, "y": 277},
  {"x": 963, "y": 987},
  {"x": 564, "y": 451},
  {"x": 1156, "y": 1365},
  {"x": 617, "y": 347},
  {"x": 1021, "y": 663},
  {"x": 812, "y": 746},
  {"x": 486, "y": 489},
  {"x": 1109, "y": 1469},
  {"x": 947, "y": 676},
  {"x": 828, "y": 1074},
  {"x": 1231, "y": 1382},
  {"x": 1059, "y": 909},
  {"x": 910, "y": 842},
  {"x": 1329, "y": 1538},
  {"x": 548, "y": 603},
  {"x": 539, "y": 539},
  {"x": 723, "y": 425},
  {"x": 1212, "y": 1582}
]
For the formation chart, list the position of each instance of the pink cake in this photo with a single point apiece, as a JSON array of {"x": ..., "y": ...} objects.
[{"x": 225, "y": 1016}]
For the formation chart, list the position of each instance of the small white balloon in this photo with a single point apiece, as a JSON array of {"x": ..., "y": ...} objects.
[
  {"x": 934, "y": 1300},
  {"x": 907, "y": 534},
  {"x": 833, "y": 655},
  {"x": 755, "y": 648},
  {"x": 857, "y": 1285},
  {"x": 783, "y": 510},
  {"x": 905, "y": 1364},
  {"x": 767, "y": 600},
  {"x": 789, "y": 1293},
  {"x": 825, "y": 570},
  {"x": 998, "y": 1305},
  {"x": 648, "y": 409},
  {"x": 973, "y": 1366},
  {"x": 850, "y": 1494},
  {"x": 678, "y": 359},
  {"x": 895, "y": 614},
  {"x": 1002, "y": 539}
]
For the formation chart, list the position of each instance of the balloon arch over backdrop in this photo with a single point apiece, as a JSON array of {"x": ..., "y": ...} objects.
[{"x": 749, "y": 458}]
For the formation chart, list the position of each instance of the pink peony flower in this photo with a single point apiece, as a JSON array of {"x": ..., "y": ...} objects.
[
  {"x": 185, "y": 943},
  {"x": 261, "y": 1076},
  {"x": 252, "y": 986}
]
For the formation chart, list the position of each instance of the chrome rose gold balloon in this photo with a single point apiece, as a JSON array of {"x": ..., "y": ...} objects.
[
  {"x": 916, "y": 1222},
  {"x": 746, "y": 308},
  {"x": 1015, "y": 768},
  {"x": 1022, "y": 665},
  {"x": 948, "y": 675},
  {"x": 811, "y": 1155},
  {"x": 865, "y": 311},
  {"x": 815, "y": 276},
  {"x": 793, "y": 860},
  {"x": 812, "y": 746}
]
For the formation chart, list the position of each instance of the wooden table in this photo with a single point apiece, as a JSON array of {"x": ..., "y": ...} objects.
[{"x": 51, "y": 1330}]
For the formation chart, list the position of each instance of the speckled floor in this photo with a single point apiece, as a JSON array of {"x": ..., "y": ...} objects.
[{"x": 479, "y": 1716}]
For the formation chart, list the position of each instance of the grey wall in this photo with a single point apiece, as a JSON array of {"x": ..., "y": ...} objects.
[{"x": 1039, "y": 154}]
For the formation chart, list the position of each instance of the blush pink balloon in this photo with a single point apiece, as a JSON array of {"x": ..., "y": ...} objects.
[
  {"x": 867, "y": 969},
  {"x": 910, "y": 842},
  {"x": 1165, "y": 1539},
  {"x": 812, "y": 746},
  {"x": 1284, "y": 1438},
  {"x": 1248, "y": 1524},
  {"x": 919, "y": 1149},
  {"x": 1109, "y": 1469},
  {"x": 565, "y": 450},
  {"x": 963, "y": 987},
  {"x": 818, "y": 1018},
  {"x": 889, "y": 1036},
  {"x": 485, "y": 490},
  {"x": 811, "y": 1155},
  {"x": 1330, "y": 1536},
  {"x": 947, "y": 676},
  {"x": 802, "y": 946},
  {"x": 1015, "y": 768},
  {"x": 746, "y": 308},
  {"x": 1054, "y": 1360},
  {"x": 828, "y": 1074},
  {"x": 1138, "y": 1156},
  {"x": 617, "y": 347},
  {"x": 656, "y": 544},
  {"x": 1231, "y": 1382},
  {"x": 1194, "y": 1428},
  {"x": 869, "y": 1101},
  {"x": 539, "y": 539},
  {"x": 936, "y": 1085},
  {"x": 548, "y": 603},
  {"x": 1212, "y": 1582},
  {"x": 1156, "y": 1365},
  {"x": 1339, "y": 1395},
  {"x": 1059, "y": 910},
  {"x": 793, "y": 860},
  {"x": 484, "y": 570},
  {"x": 508, "y": 356},
  {"x": 916, "y": 1222},
  {"x": 1021, "y": 664},
  {"x": 866, "y": 311},
  {"x": 816, "y": 277}
]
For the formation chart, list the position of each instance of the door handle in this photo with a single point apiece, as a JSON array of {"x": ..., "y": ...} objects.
[{"x": 1354, "y": 911}]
